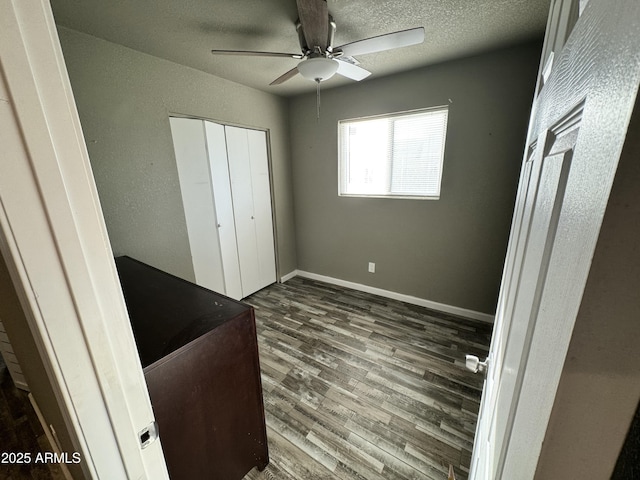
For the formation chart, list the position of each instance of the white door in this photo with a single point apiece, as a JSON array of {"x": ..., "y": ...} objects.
[
  {"x": 228, "y": 243},
  {"x": 226, "y": 195},
  {"x": 200, "y": 210},
  {"x": 578, "y": 125},
  {"x": 251, "y": 193}
]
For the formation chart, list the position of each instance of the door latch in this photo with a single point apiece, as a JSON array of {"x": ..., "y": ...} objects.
[
  {"x": 148, "y": 435},
  {"x": 474, "y": 364}
]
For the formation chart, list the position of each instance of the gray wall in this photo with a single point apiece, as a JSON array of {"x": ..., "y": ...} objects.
[
  {"x": 450, "y": 250},
  {"x": 124, "y": 100}
]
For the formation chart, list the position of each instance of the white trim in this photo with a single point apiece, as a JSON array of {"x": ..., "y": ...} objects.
[
  {"x": 441, "y": 307},
  {"x": 288, "y": 276},
  {"x": 53, "y": 443},
  {"x": 21, "y": 384}
]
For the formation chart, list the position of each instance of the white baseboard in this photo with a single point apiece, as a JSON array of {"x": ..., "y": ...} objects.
[
  {"x": 441, "y": 307},
  {"x": 288, "y": 276}
]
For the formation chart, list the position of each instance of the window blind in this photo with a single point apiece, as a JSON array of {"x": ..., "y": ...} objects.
[{"x": 397, "y": 155}]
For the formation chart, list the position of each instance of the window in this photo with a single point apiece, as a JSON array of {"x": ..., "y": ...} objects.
[{"x": 396, "y": 156}]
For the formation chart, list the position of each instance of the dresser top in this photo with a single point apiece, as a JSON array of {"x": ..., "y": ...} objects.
[{"x": 168, "y": 312}]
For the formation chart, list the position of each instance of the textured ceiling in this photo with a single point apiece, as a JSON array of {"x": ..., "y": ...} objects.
[{"x": 185, "y": 31}]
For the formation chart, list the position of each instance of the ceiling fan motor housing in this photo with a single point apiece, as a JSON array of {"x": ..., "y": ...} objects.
[
  {"x": 320, "y": 59},
  {"x": 318, "y": 69}
]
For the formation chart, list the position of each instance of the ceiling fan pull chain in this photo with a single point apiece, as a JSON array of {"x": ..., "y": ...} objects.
[{"x": 317, "y": 99}]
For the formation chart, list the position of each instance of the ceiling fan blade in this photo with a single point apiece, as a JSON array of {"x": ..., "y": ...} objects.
[
  {"x": 352, "y": 71},
  {"x": 286, "y": 76},
  {"x": 314, "y": 17},
  {"x": 258, "y": 54},
  {"x": 381, "y": 43}
]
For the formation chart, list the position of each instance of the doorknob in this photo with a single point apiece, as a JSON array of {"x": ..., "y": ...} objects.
[{"x": 474, "y": 364}]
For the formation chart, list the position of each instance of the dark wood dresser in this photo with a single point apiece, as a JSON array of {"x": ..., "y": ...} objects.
[{"x": 199, "y": 354}]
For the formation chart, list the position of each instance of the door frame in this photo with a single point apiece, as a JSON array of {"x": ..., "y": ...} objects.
[
  {"x": 59, "y": 256},
  {"x": 596, "y": 153}
]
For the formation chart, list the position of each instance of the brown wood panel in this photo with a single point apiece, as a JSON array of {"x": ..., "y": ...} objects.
[
  {"x": 168, "y": 312},
  {"x": 200, "y": 357},
  {"x": 207, "y": 402}
]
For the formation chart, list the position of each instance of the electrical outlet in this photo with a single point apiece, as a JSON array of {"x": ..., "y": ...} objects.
[{"x": 372, "y": 267}]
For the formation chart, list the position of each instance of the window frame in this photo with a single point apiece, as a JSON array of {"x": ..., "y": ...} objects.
[{"x": 342, "y": 164}]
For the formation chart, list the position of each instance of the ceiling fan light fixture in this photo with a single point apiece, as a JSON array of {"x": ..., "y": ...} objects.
[{"x": 318, "y": 69}]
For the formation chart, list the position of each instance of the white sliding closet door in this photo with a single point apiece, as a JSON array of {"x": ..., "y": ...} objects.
[
  {"x": 251, "y": 194},
  {"x": 192, "y": 160},
  {"x": 226, "y": 194},
  {"x": 219, "y": 169}
]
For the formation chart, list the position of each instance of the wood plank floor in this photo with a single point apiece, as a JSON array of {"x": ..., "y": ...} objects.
[
  {"x": 361, "y": 387},
  {"x": 20, "y": 431},
  {"x": 355, "y": 387}
]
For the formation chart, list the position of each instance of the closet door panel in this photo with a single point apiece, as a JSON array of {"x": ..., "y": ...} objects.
[
  {"x": 249, "y": 173},
  {"x": 197, "y": 198},
  {"x": 242, "y": 194},
  {"x": 219, "y": 171},
  {"x": 263, "y": 216}
]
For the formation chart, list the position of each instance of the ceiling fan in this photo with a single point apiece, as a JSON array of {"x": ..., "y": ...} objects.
[{"x": 320, "y": 60}]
